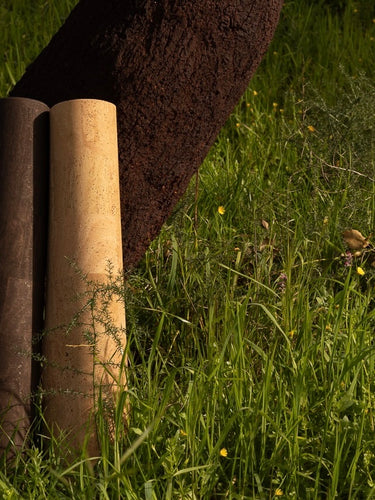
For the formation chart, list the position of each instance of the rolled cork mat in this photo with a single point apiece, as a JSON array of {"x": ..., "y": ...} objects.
[
  {"x": 23, "y": 211},
  {"x": 84, "y": 362}
]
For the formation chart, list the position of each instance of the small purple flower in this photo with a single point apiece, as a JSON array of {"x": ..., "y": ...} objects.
[
  {"x": 283, "y": 278},
  {"x": 348, "y": 258}
]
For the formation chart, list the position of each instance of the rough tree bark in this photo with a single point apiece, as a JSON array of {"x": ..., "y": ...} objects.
[{"x": 175, "y": 70}]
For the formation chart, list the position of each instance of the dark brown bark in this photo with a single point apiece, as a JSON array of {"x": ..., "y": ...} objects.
[{"x": 175, "y": 70}]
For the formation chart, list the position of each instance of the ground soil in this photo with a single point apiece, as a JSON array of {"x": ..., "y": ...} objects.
[{"x": 175, "y": 70}]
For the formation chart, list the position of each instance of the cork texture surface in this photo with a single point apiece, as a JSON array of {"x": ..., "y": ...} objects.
[
  {"x": 23, "y": 222},
  {"x": 82, "y": 358}
]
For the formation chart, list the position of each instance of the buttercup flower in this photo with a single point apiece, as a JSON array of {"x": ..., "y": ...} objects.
[
  {"x": 221, "y": 210},
  {"x": 360, "y": 271},
  {"x": 278, "y": 492},
  {"x": 223, "y": 452},
  {"x": 310, "y": 128}
]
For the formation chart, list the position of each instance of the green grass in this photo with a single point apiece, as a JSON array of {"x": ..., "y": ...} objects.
[{"x": 247, "y": 336}]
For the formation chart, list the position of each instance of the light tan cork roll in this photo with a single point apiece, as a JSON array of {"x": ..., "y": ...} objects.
[{"x": 84, "y": 360}]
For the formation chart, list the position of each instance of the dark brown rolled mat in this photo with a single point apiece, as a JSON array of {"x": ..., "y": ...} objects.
[
  {"x": 23, "y": 211},
  {"x": 174, "y": 69}
]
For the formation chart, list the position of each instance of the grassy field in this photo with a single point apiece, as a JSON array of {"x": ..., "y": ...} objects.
[{"x": 250, "y": 325}]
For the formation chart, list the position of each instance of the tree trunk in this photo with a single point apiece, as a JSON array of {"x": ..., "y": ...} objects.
[{"x": 175, "y": 69}]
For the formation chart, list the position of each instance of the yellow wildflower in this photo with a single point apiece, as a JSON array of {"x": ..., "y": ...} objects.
[
  {"x": 325, "y": 220},
  {"x": 223, "y": 452},
  {"x": 221, "y": 210},
  {"x": 183, "y": 433},
  {"x": 255, "y": 92},
  {"x": 279, "y": 492},
  {"x": 274, "y": 104},
  {"x": 360, "y": 271},
  {"x": 310, "y": 128}
]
